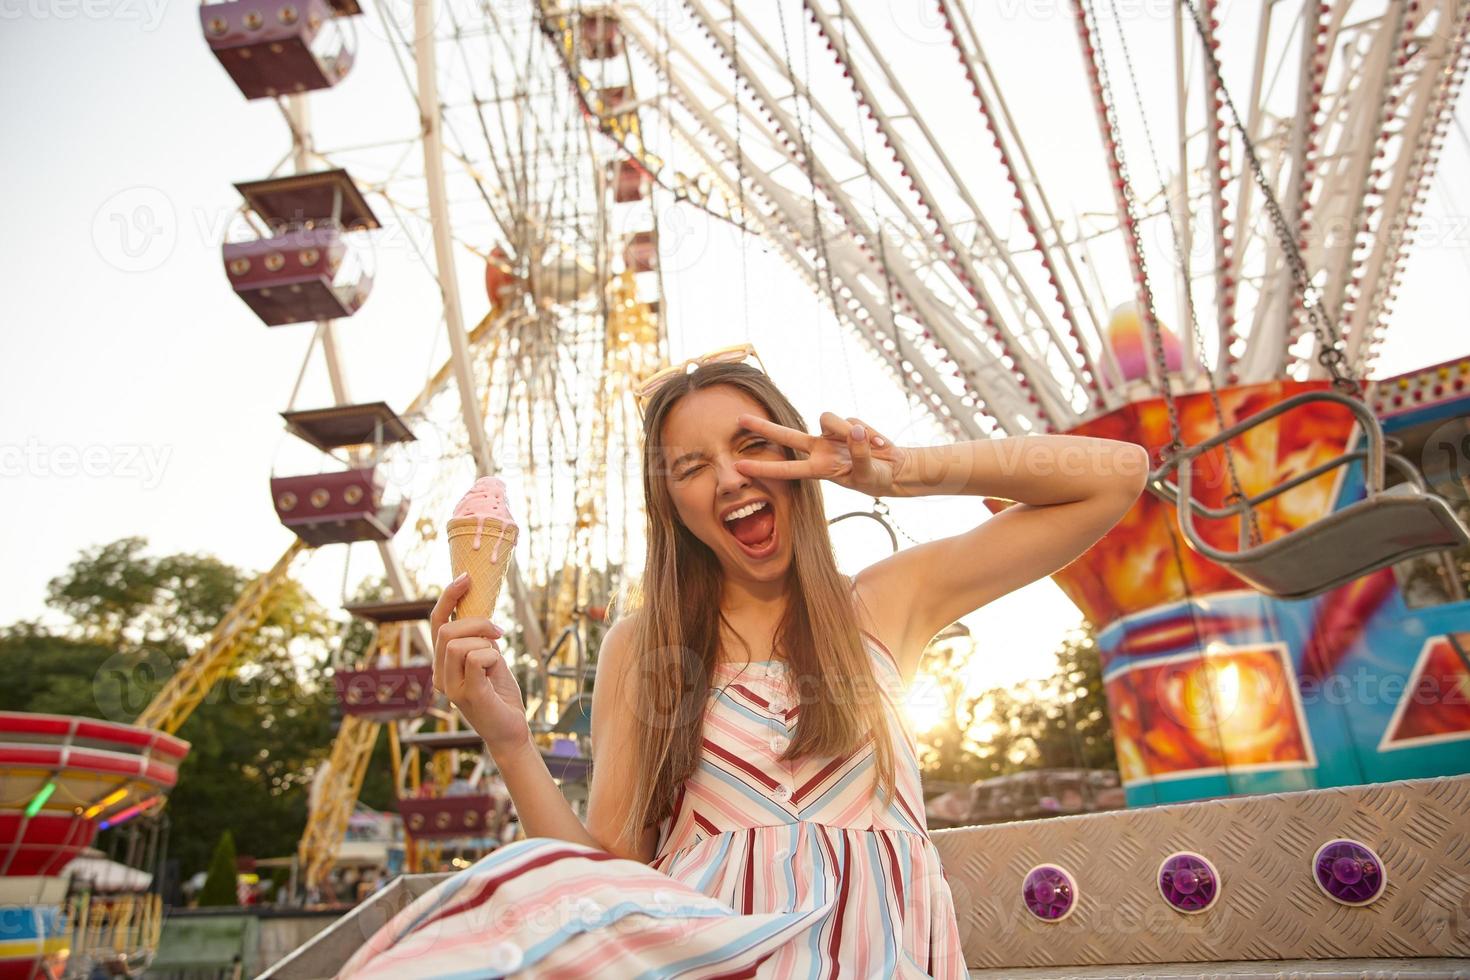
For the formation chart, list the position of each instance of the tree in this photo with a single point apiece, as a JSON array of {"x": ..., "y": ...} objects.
[
  {"x": 219, "y": 885},
  {"x": 119, "y": 597},
  {"x": 1059, "y": 721},
  {"x": 1083, "y": 730},
  {"x": 47, "y": 673}
]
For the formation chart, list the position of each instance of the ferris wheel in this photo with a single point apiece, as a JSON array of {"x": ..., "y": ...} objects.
[{"x": 502, "y": 166}]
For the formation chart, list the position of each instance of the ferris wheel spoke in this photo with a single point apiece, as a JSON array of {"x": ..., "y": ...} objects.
[
  {"x": 914, "y": 293},
  {"x": 961, "y": 258},
  {"x": 1444, "y": 54}
]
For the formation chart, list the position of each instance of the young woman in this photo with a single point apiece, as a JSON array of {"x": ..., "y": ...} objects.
[{"x": 755, "y": 806}]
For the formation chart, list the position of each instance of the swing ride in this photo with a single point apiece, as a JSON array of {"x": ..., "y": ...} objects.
[{"x": 1306, "y": 526}]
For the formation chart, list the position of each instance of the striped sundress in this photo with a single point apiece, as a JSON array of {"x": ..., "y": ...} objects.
[{"x": 765, "y": 868}]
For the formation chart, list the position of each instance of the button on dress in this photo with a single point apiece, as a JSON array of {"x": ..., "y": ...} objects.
[{"x": 765, "y": 868}]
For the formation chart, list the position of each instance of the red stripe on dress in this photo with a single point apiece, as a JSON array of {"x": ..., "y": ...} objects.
[
  {"x": 827, "y": 770},
  {"x": 705, "y": 825},
  {"x": 749, "y": 694},
  {"x": 893, "y": 864},
  {"x": 749, "y": 905},
  {"x": 749, "y": 769},
  {"x": 833, "y": 942},
  {"x": 905, "y": 806}
]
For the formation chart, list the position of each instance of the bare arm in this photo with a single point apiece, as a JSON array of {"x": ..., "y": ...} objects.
[
  {"x": 469, "y": 667},
  {"x": 613, "y": 735},
  {"x": 1069, "y": 490},
  {"x": 543, "y": 810}
]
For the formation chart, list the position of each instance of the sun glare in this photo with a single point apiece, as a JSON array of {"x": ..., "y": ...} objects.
[{"x": 924, "y": 704}]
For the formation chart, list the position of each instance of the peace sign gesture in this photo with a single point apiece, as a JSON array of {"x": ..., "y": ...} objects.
[{"x": 848, "y": 453}]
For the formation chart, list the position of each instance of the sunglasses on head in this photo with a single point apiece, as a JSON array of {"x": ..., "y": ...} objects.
[{"x": 724, "y": 355}]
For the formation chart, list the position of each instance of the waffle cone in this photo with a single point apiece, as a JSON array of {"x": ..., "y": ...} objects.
[{"x": 486, "y": 565}]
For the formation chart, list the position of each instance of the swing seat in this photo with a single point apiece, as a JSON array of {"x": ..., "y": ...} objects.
[{"x": 1386, "y": 527}]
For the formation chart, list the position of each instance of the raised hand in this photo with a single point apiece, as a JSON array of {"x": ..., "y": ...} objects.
[
  {"x": 470, "y": 670},
  {"x": 848, "y": 452}
]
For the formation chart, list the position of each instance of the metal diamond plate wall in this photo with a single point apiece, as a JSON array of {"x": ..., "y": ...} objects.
[{"x": 1270, "y": 907}]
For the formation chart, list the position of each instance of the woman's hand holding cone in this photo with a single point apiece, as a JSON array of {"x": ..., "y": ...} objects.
[{"x": 470, "y": 670}]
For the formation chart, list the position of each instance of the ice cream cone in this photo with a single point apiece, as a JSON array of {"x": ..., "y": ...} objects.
[{"x": 481, "y": 546}]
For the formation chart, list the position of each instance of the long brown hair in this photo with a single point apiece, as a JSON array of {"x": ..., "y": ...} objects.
[{"x": 676, "y": 638}]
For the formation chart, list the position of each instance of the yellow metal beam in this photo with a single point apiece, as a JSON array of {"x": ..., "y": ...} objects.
[
  {"x": 336, "y": 797},
  {"x": 189, "y": 685}
]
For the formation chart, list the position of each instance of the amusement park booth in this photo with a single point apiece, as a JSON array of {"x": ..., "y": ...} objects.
[{"x": 64, "y": 779}]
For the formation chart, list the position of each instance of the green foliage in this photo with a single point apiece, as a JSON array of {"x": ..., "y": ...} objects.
[
  {"x": 119, "y": 597},
  {"x": 1054, "y": 722},
  {"x": 47, "y": 673},
  {"x": 219, "y": 885},
  {"x": 258, "y": 736}
]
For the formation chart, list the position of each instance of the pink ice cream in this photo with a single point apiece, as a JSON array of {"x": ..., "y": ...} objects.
[{"x": 486, "y": 501}]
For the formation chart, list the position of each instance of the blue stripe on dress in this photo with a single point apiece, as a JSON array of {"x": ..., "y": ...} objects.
[
  {"x": 875, "y": 860},
  {"x": 858, "y": 770},
  {"x": 731, "y": 949},
  {"x": 718, "y": 864},
  {"x": 745, "y": 792},
  {"x": 821, "y": 879}
]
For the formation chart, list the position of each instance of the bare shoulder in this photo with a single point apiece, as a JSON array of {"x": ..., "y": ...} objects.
[
  {"x": 888, "y": 620},
  {"x": 615, "y": 654}
]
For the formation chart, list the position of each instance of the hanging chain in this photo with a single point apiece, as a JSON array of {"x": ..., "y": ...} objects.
[
  {"x": 1329, "y": 344},
  {"x": 1236, "y": 493},
  {"x": 806, "y": 136},
  {"x": 912, "y": 394},
  {"x": 740, "y": 167},
  {"x": 1130, "y": 219},
  {"x": 883, "y": 513}
]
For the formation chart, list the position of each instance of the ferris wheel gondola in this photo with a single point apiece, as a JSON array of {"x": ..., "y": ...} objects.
[{"x": 305, "y": 266}]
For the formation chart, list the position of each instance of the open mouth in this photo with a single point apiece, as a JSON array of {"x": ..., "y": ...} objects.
[{"x": 755, "y": 532}]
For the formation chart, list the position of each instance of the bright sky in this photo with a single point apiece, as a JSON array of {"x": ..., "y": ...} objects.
[{"x": 139, "y": 396}]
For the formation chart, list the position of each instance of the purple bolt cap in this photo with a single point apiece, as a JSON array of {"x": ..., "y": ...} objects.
[
  {"x": 1049, "y": 892},
  {"x": 1189, "y": 882},
  {"x": 1349, "y": 872}
]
